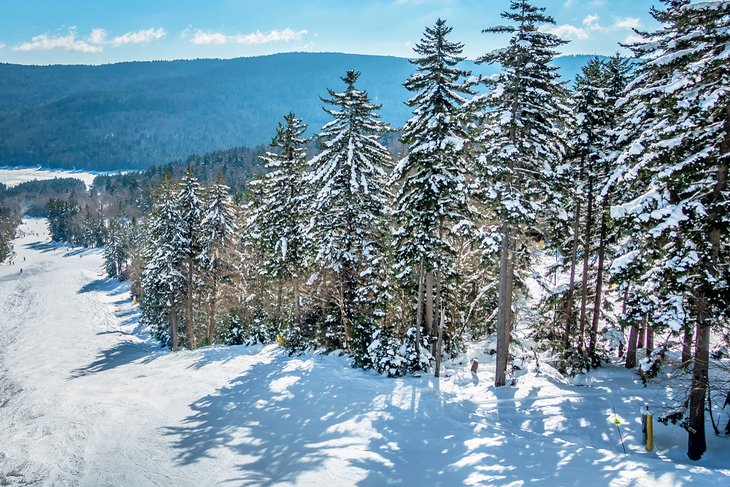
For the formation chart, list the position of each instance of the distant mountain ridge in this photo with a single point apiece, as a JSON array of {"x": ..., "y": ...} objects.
[{"x": 137, "y": 114}]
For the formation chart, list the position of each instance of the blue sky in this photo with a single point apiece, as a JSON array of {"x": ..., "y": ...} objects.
[{"x": 103, "y": 31}]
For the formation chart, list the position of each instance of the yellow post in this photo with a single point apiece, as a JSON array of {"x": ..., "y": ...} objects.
[
  {"x": 134, "y": 299},
  {"x": 649, "y": 432}
]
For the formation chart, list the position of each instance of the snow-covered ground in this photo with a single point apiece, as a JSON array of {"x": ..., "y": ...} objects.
[
  {"x": 87, "y": 399},
  {"x": 12, "y": 176}
]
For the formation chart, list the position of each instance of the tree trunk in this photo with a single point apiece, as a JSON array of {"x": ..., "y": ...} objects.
[
  {"x": 279, "y": 297},
  {"x": 599, "y": 281},
  {"x": 189, "y": 328},
  {"x": 631, "y": 347},
  {"x": 173, "y": 329},
  {"x": 687, "y": 346},
  {"x": 442, "y": 319},
  {"x": 696, "y": 427},
  {"x": 649, "y": 341},
  {"x": 505, "y": 306},
  {"x": 297, "y": 309},
  {"x": 586, "y": 257},
  {"x": 429, "y": 304},
  {"x": 211, "y": 312},
  {"x": 621, "y": 322},
  {"x": 419, "y": 312},
  {"x": 569, "y": 316},
  {"x": 642, "y": 334}
]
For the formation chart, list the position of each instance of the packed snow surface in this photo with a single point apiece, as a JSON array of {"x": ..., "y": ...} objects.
[
  {"x": 87, "y": 399},
  {"x": 11, "y": 176}
]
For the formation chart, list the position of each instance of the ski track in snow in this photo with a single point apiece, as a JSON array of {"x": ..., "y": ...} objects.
[{"x": 87, "y": 399}]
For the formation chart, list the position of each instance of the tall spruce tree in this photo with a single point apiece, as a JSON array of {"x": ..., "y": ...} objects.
[
  {"x": 186, "y": 241},
  {"x": 676, "y": 161},
  {"x": 162, "y": 281},
  {"x": 218, "y": 256},
  {"x": 280, "y": 212},
  {"x": 350, "y": 203},
  {"x": 432, "y": 204},
  {"x": 521, "y": 142}
]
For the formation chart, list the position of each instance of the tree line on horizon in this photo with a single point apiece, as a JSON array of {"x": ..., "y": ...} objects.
[{"x": 610, "y": 196}]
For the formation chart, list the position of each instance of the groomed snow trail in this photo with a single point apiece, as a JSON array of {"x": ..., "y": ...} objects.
[{"x": 86, "y": 399}]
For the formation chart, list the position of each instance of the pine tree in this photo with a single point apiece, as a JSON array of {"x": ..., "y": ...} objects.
[
  {"x": 217, "y": 257},
  {"x": 521, "y": 143},
  {"x": 676, "y": 164},
  {"x": 162, "y": 282},
  {"x": 188, "y": 206},
  {"x": 350, "y": 201},
  {"x": 280, "y": 211},
  {"x": 115, "y": 248},
  {"x": 432, "y": 206}
]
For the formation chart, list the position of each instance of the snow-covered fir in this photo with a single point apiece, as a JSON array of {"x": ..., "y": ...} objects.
[{"x": 496, "y": 293}]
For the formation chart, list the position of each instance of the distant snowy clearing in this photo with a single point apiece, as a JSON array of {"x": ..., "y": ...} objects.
[
  {"x": 86, "y": 398},
  {"x": 11, "y": 176}
]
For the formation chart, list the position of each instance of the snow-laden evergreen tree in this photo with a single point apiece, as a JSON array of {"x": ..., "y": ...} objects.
[
  {"x": 521, "y": 143},
  {"x": 115, "y": 248},
  {"x": 186, "y": 241},
  {"x": 582, "y": 229},
  {"x": 348, "y": 224},
  {"x": 163, "y": 283},
  {"x": 280, "y": 212},
  {"x": 432, "y": 206},
  {"x": 217, "y": 257},
  {"x": 676, "y": 163},
  {"x": 9, "y": 221}
]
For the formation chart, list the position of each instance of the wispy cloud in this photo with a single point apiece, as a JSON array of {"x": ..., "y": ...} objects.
[
  {"x": 95, "y": 41},
  {"x": 286, "y": 35},
  {"x": 566, "y": 31},
  {"x": 68, "y": 42},
  {"x": 591, "y": 23},
  {"x": 632, "y": 39},
  {"x": 627, "y": 23},
  {"x": 2, "y": 45},
  {"x": 139, "y": 37}
]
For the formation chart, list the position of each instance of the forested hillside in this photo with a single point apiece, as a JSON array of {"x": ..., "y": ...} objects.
[{"x": 137, "y": 114}]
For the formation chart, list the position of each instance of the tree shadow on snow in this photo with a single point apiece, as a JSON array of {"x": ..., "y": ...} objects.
[
  {"x": 110, "y": 286},
  {"x": 285, "y": 419},
  {"x": 289, "y": 418}
]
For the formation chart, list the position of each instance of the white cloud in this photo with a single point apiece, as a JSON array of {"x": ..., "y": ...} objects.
[
  {"x": 139, "y": 37},
  {"x": 95, "y": 42},
  {"x": 592, "y": 22},
  {"x": 566, "y": 31},
  {"x": 632, "y": 39},
  {"x": 258, "y": 37},
  {"x": 68, "y": 42},
  {"x": 2, "y": 45},
  {"x": 97, "y": 36},
  {"x": 627, "y": 23}
]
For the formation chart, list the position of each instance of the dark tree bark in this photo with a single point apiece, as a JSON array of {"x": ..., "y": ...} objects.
[
  {"x": 173, "y": 329},
  {"x": 599, "y": 281},
  {"x": 586, "y": 258},
  {"x": 505, "y": 306},
  {"x": 687, "y": 347},
  {"x": 631, "y": 347}
]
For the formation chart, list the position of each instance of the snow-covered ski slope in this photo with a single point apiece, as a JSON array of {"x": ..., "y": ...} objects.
[
  {"x": 85, "y": 399},
  {"x": 12, "y": 176}
]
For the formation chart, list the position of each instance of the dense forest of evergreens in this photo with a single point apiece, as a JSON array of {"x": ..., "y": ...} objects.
[
  {"x": 137, "y": 114},
  {"x": 610, "y": 195}
]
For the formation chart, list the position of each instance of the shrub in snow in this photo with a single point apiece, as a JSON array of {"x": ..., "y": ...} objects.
[
  {"x": 297, "y": 337},
  {"x": 234, "y": 330},
  {"x": 389, "y": 355},
  {"x": 649, "y": 366}
]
